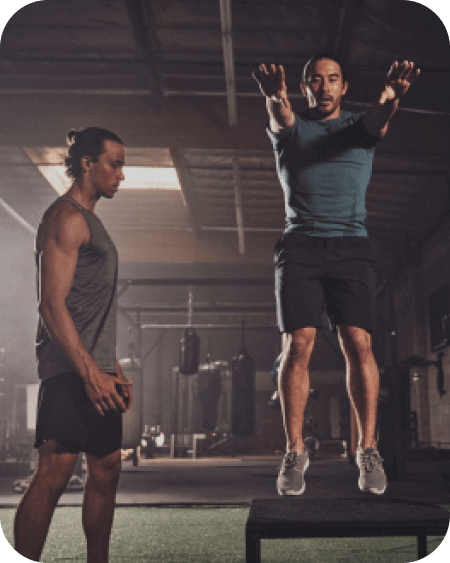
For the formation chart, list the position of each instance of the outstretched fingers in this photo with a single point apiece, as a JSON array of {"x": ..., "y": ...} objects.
[
  {"x": 261, "y": 75},
  {"x": 271, "y": 81},
  {"x": 412, "y": 73},
  {"x": 403, "y": 71},
  {"x": 392, "y": 74},
  {"x": 263, "y": 72}
]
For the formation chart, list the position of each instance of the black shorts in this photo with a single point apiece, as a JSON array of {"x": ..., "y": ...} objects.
[
  {"x": 335, "y": 273},
  {"x": 67, "y": 415}
]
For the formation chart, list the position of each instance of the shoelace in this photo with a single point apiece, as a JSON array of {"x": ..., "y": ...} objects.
[
  {"x": 371, "y": 460},
  {"x": 290, "y": 458}
]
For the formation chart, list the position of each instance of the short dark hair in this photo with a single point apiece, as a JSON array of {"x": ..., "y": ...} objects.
[
  {"x": 88, "y": 142},
  {"x": 319, "y": 57}
]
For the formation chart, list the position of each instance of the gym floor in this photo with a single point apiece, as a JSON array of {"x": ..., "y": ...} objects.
[
  {"x": 225, "y": 486},
  {"x": 238, "y": 480}
]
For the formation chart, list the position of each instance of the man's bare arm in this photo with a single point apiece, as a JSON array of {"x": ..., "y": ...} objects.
[
  {"x": 273, "y": 86},
  {"x": 398, "y": 81},
  {"x": 280, "y": 117},
  {"x": 67, "y": 231}
]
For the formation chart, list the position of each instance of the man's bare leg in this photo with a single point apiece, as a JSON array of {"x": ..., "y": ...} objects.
[
  {"x": 293, "y": 383},
  {"x": 98, "y": 504},
  {"x": 362, "y": 381},
  {"x": 35, "y": 511}
]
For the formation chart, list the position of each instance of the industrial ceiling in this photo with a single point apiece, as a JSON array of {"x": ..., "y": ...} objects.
[{"x": 173, "y": 80}]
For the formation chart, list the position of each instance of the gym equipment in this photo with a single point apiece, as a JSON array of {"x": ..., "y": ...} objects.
[
  {"x": 243, "y": 394},
  {"x": 293, "y": 517},
  {"x": 132, "y": 418},
  {"x": 189, "y": 352},
  {"x": 189, "y": 346},
  {"x": 209, "y": 387},
  {"x": 193, "y": 417}
]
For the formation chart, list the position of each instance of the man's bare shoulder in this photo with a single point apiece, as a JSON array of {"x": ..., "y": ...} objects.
[{"x": 65, "y": 223}]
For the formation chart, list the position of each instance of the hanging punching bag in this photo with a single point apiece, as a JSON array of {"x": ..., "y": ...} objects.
[
  {"x": 243, "y": 394},
  {"x": 209, "y": 389},
  {"x": 189, "y": 352}
]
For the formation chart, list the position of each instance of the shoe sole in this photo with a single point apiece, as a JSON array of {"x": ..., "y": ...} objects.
[
  {"x": 369, "y": 490},
  {"x": 291, "y": 492}
]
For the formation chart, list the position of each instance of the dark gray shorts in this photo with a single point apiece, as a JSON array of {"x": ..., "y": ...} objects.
[
  {"x": 316, "y": 273},
  {"x": 67, "y": 415}
]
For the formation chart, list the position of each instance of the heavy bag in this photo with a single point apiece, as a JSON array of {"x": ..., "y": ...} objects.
[
  {"x": 209, "y": 388},
  {"x": 243, "y": 394},
  {"x": 189, "y": 352}
]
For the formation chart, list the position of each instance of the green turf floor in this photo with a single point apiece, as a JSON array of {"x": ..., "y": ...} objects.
[{"x": 207, "y": 534}]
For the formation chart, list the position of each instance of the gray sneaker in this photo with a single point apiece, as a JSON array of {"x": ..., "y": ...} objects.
[
  {"x": 291, "y": 475},
  {"x": 372, "y": 478}
]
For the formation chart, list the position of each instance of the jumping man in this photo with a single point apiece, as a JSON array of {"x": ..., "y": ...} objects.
[{"x": 324, "y": 163}]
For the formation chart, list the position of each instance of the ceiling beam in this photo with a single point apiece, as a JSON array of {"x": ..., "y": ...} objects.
[
  {"x": 349, "y": 17},
  {"x": 147, "y": 46},
  {"x": 24, "y": 68},
  {"x": 230, "y": 78},
  {"x": 226, "y": 308},
  {"x": 186, "y": 189},
  {"x": 17, "y": 217},
  {"x": 200, "y": 326},
  {"x": 335, "y": 39},
  {"x": 220, "y": 228},
  {"x": 186, "y": 68},
  {"x": 141, "y": 92},
  {"x": 238, "y": 204},
  {"x": 228, "y": 56},
  {"x": 203, "y": 228},
  {"x": 195, "y": 281},
  {"x": 37, "y": 121}
]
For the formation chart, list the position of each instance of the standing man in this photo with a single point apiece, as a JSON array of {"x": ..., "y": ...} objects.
[
  {"x": 324, "y": 163},
  {"x": 83, "y": 390}
]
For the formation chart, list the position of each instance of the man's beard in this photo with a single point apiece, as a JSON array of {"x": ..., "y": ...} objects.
[{"x": 324, "y": 112}]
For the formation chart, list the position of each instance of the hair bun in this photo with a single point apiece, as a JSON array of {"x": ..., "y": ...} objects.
[{"x": 71, "y": 136}]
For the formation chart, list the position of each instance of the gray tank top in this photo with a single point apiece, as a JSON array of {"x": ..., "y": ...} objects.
[{"x": 92, "y": 303}]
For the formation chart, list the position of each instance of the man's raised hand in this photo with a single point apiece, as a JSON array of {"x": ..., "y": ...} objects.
[
  {"x": 272, "y": 83},
  {"x": 399, "y": 79}
]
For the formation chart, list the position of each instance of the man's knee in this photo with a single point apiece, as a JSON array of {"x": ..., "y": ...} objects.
[
  {"x": 53, "y": 469},
  {"x": 105, "y": 469},
  {"x": 300, "y": 343},
  {"x": 356, "y": 343}
]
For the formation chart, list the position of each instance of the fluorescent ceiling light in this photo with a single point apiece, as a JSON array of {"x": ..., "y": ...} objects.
[{"x": 136, "y": 178}]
